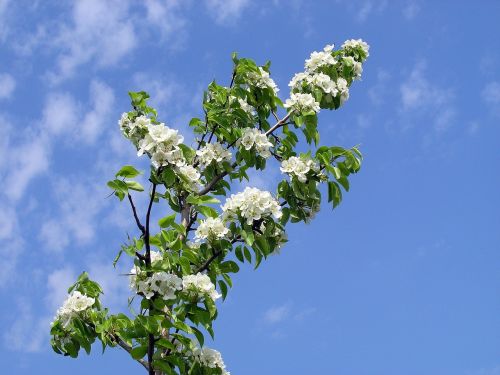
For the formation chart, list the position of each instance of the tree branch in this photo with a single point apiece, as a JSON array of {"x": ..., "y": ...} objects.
[
  {"x": 137, "y": 221},
  {"x": 128, "y": 349},
  {"x": 279, "y": 124}
]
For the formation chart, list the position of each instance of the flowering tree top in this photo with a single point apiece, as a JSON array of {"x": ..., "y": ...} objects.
[{"x": 181, "y": 270}]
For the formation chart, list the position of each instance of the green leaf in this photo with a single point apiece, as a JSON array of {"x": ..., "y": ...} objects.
[
  {"x": 199, "y": 335},
  {"x": 223, "y": 289},
  {"x": 229, "y": 266},
  {"x": 248, "y": 255},
  {"x": 167, "y": 221},
  {"x": 139, "y": 352},
  {"x": 168, "y": 176},
  {"x": 239, "y": 254},
  {"x": 204, "y": 199},
  {"x": 128, "y": 171},
  {"x": 134, "y": 185},
  {"x": 118, "y": 185},
  {"x": 207, "y": 211}
]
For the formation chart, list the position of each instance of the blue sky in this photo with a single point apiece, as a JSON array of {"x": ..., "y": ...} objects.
[{"x": 402, "y": 279}]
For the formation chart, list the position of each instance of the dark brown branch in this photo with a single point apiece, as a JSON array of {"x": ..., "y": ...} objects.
[
  {"x": 128, "y": 349},
  {"x": 137, "y": 221}
]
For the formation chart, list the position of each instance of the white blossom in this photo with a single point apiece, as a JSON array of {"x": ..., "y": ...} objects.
[
  {"x": 159, "y": 136},
  {"x": 357, "y": 67},
  {"x": 343, "y": 89},
  {"x": 252, "y": 204},
  {"x": 211, "y": 228},
  {"x": 165, "y": 284},
  {"x": 298, "y": 78},
  {"x": 134, "y": 130},
  {"x": 192, "y": 176},
  {"x": 302, "y": 103},
  {"x": 199, "y": 285},
  {"x": 299, "y": 167},
  {"x": 253, "y": 137},
  {"x": 319, "y": 59},
  {"x": 355, "y": 44},
  {"x": 263, "y": 80},
  {"x": 210, "y": 358},
  {"x": 243, "y": 105},
  {"x": 74, "y": 304},
  {"x": 136, "y": 271},
  {"x": 325, "y": 83},
  {"x": 213, "y": 152}
]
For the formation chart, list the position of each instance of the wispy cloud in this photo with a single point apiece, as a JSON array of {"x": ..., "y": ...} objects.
[
  {"x": 491, "y": 96},
  {"x": 276, "y": 314},
  {"x": 421, "y": 97},
  {"x": 3, "y": 19},
  {"x": 70, "y": 223},
  {"x": 99, "y": 31},
  {"x": 28, "y": 331},
  {"x": 226, "y": 11},
  {"x": 411, "y": 9},
  {"x": 7, "y": 85}
]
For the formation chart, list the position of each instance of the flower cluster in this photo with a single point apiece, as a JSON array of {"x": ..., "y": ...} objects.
[
  {"x": 211, "y": 228},
  {"x": 213, "y": 152},
  {"x": 136, "y": 129},
  {"x": 163, "y": 283},
  {"x": 161, "y": 143},
  {"x": 191, "y": 176},
  {"x": 136, "y": 273},
  {"x": 253, "y": 137},
  {"x": 319, "y": 59},
  {"x": 210, "y": 358},
  {"x": 243, "y": 105},
  {"x": 74, "y": 304},
  {"x": 252, "y": 204},
  {"x": 302, "y": 103},
  {"x": 263, "y": 80},
  {"x": 199, "y": 285},
  {"x": 358, "y": 47},
  {"x": 331, "y": 73},
  {"x": 299, "y": 167}
]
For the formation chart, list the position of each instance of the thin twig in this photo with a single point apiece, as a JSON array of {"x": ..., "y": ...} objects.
[
  {"x": 137, "y": 221},
  {"x": 279, "y": 124}
]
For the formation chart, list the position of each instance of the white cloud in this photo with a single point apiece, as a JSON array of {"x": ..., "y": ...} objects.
[
  {"x": 491, "y": 96},
  {"x": 94, "y": 122},
  {"x": 60, "y": 114},
  {"x": 100, "y": 31},
  {"x": 378, "y": 92},
  {"x": 226, "y": 11},
  {"x": 364, "y": 8},
  {"x": 422, "y": 97},
  {"x": 277, "y": 314},
  {"x": 58, "y": 283},
  {"x": 7, "y": 85},
  {"x": 31, "y": 159},
  {"x": 72, "y": 224},
  {"x": 3, "y": 19},
  {"x": 113, "y": 282},
  {"x": 166, "y": 94},
  {"x": 165, "y": 16},
  {"x": 411, "y": 9},
  {"x": 28, "y": 332}
]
